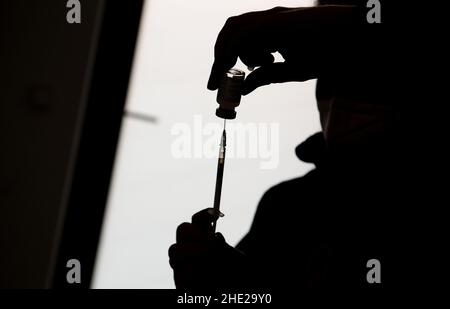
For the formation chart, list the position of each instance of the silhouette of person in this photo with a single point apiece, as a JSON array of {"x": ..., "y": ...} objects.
[{"x": 318, "y": 230}]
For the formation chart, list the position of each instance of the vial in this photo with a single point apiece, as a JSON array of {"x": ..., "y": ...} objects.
[{"x": 229, "y": 93}]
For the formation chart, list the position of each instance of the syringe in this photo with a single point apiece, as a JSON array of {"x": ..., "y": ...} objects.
[
  {"x": 219, "y": 177},
  {"x": 228, "y": 97}
]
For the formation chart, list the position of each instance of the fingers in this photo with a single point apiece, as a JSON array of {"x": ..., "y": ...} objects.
[
  {"x": 225, "y": 55},
  {"x": 186, "y": 253},
  {"x": 186, "y": 233},
  {"x": 186, "y": 261},
  {"x": 265, "y": 75},
  {"x": 256, "y": 58},
  {"x": 204, "y": 219},
  {"x": 246, "y": 36},
  {"x": 239, "y": 38},
  {"x": 279, "y": 72},
  {"x": 251, "y": 58},
  {"x": 195, "y": 248},
  {"x": 219, "y": 68},
  {"x": 191, "y": 233},
  {"x": 200, "y": 229}
]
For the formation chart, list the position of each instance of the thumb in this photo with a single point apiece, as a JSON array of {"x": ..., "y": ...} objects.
[
  {"x": 279, "y": 72},
  {"x": 203, "y": 219}
]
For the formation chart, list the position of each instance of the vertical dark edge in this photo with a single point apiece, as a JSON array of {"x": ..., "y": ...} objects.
[{"x": 99, "y": 137}]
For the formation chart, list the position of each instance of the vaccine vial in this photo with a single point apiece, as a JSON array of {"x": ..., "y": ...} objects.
[{"x": 229, "y": 93}]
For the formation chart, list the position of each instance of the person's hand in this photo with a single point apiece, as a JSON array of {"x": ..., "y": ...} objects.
[
  {"x": 202, "y": 258},
  {"x": 303, "y": 36}
]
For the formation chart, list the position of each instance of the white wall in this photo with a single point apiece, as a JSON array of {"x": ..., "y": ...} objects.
[{"x": 152, "y": 191}]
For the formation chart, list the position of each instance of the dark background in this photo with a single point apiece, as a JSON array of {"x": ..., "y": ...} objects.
[{"x": 63, "y": 87}]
